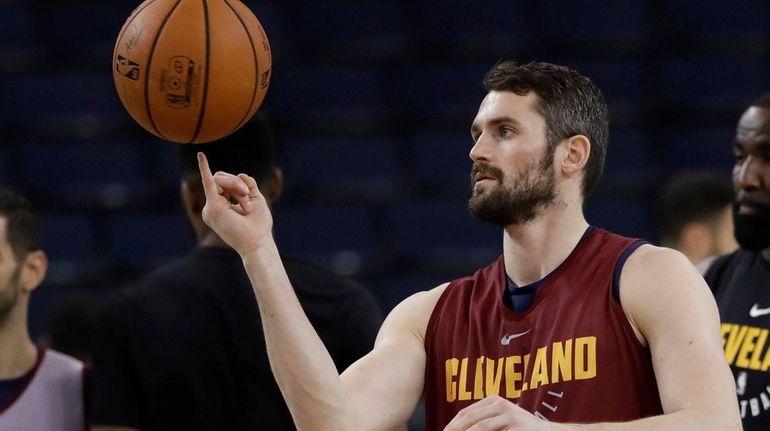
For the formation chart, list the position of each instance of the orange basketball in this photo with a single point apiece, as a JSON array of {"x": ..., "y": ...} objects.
[{"x": 192, "y": 71}]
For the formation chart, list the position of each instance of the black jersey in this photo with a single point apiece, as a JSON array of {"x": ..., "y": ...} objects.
[
  {"x": 741, "y": 284},
  {"x": 184, "y": 348}
]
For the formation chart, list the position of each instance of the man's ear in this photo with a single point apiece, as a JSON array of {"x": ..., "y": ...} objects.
[
  {"x": 191, "y": 200},
  {"x": 33, "y": 270},
  {"x": 274, "y": 186},
  {"x": 575, "y": 154}
]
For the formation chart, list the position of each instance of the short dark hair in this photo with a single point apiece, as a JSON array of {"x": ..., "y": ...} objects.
[
  {"x": 763, "y": 101},
  {"x": 249, "y": 150},
  {"x": 23, "y": 226},
  {"x": 692, "y": 196},
  {"x": 570, "y": 103}
]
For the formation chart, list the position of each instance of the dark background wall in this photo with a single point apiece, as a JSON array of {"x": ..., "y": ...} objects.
[{"x": 372, "y": 102}]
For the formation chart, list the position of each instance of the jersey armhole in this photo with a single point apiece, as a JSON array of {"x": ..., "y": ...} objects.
[{"x": 619, "y": 267}]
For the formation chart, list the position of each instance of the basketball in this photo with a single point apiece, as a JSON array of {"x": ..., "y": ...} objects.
[{"x": 192, "y": 71}]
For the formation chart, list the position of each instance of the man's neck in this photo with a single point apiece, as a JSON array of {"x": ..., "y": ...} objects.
[
  {"x": 533, "y": 250},
  {"x": 766, "y": 254},
  {"x": 17, "y": 352}
]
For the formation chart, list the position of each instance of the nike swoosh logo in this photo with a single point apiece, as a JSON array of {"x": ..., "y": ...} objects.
[
  {"x": 756, "y": 311},
  {"x": 506, "y": 340}
]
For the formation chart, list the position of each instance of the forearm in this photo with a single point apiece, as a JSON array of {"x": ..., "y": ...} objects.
[
  {"x": 686, "y": 420},
  {"x": 300, "y": 362}
]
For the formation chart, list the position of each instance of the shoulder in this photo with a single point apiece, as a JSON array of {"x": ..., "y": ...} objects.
[
  {"x": 656, "y": 282},
  {"x": 413, "y": 313},
  {"x": 58, "y": 368},
  {"x": 654, "y": 269},
  {"x": 62, "y": 361}
]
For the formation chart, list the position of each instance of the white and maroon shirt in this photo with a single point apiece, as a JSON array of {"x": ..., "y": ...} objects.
[{"x": 51, "y": 398}]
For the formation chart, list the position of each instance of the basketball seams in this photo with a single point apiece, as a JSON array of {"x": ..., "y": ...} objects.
[
  {"x": 149, "y": 66},
  {"x": 246, "y": 115},
  {"x": 205, "y": 71}
]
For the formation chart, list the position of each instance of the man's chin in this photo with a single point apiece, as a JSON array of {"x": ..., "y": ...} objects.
[{"x": 752, "y": 231}]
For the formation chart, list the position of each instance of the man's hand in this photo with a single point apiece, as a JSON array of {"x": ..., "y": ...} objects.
[
  {"x": 235, "y": 209},
  {"x": 495, "y": 414}
]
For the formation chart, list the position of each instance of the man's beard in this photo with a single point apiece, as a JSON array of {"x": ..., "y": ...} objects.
[
  {"x": 506, "y": 205},
  {"x": 9, "y": 296},
  {"x": 752, "y": 231}
]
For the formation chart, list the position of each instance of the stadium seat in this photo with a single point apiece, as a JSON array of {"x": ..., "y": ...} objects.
[
  {"x": 712, "y": 24},
  {"x": 18, "y": 48},
  {"x": 609, "y": 26},
  {"x": 441, "y": 163},
  {"x": 712, "y": 83},
  {"x": 444, "y": 94},
  {"x": 89, "y": 29},
  {"x": 72, "y": 102},
  {"x": 465, "y": 29},
  {"x": 340, "y": 237},
  {"x": 708, "y": 148},
  {"x": 76, "y": 257},
  {"x": 85, "y": 173},
  {"x": 624, "y": 216},
  {"x": 442, "y": 237},
  {"x": 350, "y": 31},
  {"x": 361, "y": 169},
  {"x": 630, "y": 166},
  {"x": 330, "y": 98}
]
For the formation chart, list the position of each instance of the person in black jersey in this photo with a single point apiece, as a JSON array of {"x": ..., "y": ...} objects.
[
  {"x": 741, "y": 280},
  {"x": 183, "y": 349}
]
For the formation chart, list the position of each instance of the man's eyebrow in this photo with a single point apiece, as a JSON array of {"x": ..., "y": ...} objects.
[{"x": 497, "y": 121}]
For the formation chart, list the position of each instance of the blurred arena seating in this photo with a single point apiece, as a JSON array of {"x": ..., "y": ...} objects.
[{"x": 372, "y": 102}]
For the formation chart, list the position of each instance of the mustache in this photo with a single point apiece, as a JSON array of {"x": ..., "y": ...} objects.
[
  {"x": 753, "y": 199},
  {"x": 486, "y": 170}
]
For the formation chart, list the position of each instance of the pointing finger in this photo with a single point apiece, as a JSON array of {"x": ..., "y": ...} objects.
[{"x": 209, "y": 186}]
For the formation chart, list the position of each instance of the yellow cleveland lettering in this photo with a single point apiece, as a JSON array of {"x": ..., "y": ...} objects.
[
  {"x": 755, "y": 362},
  {"x": 585, "y": 358},
  {"x": 746, "y": 346},
  {"x": 494, "y": 375},
  {"x": 540, "y": 369},
  {"x": 464, "y": 394},
  {"x": 733, "y": 342},
  {"x": 562, "y": 361},
  {"x": 451, "y": 372},
  {"x": 512, "y": 376},
  {"x": 478, "y": 386}
]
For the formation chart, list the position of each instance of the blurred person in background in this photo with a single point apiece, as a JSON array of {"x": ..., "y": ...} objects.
[
  {"x": 695, "y": 216},
  {"x": 741, "y": 280},
  {"x": 40, "y": 389},
  {"x": 184, "y": 347}
]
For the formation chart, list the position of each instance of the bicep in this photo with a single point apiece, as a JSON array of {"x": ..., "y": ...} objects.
[
  {"x": 394, "y": 370},
  {"x": 670, "y": 304}
]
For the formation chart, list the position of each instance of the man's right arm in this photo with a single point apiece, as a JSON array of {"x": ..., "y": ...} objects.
[{"x": 379, "y": 391}]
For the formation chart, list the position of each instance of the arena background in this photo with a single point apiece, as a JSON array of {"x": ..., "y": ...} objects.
[{"x": 372, "y": 103}]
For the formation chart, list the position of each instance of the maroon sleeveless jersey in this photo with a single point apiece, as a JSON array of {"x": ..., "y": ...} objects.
[{"x": 571, "y": 357}]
